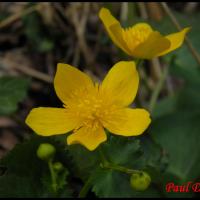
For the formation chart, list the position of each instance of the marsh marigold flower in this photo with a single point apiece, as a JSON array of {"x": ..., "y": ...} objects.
[
  {"x": 140, "y": 40},
  {"x": 90, "y": 107}
]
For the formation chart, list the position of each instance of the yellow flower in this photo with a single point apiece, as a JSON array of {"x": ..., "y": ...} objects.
[
  {"x": 140, "y": 40},
  {"x": 89, "y": 106}
]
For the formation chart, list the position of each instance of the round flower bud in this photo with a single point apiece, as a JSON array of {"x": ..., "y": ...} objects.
[
  {"x": 46, "y": 151},
  {"x": 58, "y": 166},
  {"x": 140, "y": 181}
]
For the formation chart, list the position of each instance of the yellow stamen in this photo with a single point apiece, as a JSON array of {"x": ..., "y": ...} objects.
[
  {"x": 133, "y": 36},
  {"x": 92, "y": 108}
]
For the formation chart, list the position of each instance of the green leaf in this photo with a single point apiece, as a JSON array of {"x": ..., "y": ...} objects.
[
  {"x": 28, "y": 172},
  {"x": 84, "y": 162},
  {"x": 37, "y": 33},
  {"x": 165, "y": 106},
  {"x": 189, "y": 73},
  {"x": 110, "y": 184},
  {"x": 122, "y": 151},
  {"x": 14, "y": 186},
  {"x": 187, "y": 99},
  {"x": 178, "y": 133},
  {"x": 63, "y": 189},
  {"x": 125, "y": 152},
  {"x": 154, "y": 155},
  {"x": 12, "y": 90}
]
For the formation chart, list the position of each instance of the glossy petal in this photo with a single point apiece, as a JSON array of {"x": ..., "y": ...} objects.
[
  {"x": 113, "y": 28},
  {"x": 69, "y": 79},
  {"x": 121, "y": 83},
  {"x": 152, "y": 47},
  {"x": 91, "y": 138},
  {"x": 127, "y": 122},
  {"x": 176, "y": 40},
  {"x": 51, "y": 121}
]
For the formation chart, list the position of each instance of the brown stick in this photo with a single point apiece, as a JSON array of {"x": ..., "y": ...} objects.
[
  {"x": 28, "y": 71},
  {"x": 178, "y": 26},
  {"x": 16, "y": 16}
]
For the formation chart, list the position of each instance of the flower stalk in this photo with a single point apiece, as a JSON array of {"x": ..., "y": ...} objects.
[
  {"x": 119, "y": 168},
  {"x": 109, "y": 165},
  {"x": 53, "y": 176},
  {"x": 85, "y": 188}
]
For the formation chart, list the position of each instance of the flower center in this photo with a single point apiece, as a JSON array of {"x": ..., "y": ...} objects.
[
  {"x": 92, "y": 107},
  {"x": 133, "y": 36}
]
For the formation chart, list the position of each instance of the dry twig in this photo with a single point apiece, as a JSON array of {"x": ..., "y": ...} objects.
[
  {"x": 178, "y": 26},
  {"x": 8, "y": 21}
]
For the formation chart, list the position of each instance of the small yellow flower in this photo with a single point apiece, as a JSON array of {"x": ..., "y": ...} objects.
[
  {"x": 89, "y": 106},
  {"x": 140, "y": 40}
]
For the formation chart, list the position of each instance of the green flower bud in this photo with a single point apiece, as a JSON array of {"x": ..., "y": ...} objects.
[
  {"x": 58, "y": 166},
  {"x": 46, "y": 151},
  {"x": 140, "y": 181}
]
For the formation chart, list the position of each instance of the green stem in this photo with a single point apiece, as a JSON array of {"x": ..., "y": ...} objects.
[
  {"x": 102, "y": 156},
  {"x": 53, "y": 176},
  {"x": 108, "y": 165},
  {"x": 138, "y": 62},
  {"x": 85, "y": 188},
  {"x": 158, "y": 88},
  {"x": 87, "y": 184},
  {"x": 120, "y": 168}
]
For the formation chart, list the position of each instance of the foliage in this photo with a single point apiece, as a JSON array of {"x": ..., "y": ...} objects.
[
  {"x": 24, "y": 167},
  {"x": 12, "y": 90}
]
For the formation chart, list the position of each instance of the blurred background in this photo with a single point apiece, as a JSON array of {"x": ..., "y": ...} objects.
[{"x": 34, "y": 37}]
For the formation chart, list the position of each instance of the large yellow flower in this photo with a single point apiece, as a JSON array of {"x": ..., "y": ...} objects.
[
  {"x": 140, "y": 40},
  {"x": 89, "y": 106}
]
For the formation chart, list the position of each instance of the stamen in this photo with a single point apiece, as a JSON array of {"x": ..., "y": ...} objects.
[
  {"x": 90, "y": 107},
  {"x": 133, "y": 36}
]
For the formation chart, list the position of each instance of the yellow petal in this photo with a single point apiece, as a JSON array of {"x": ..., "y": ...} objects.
[
  {"x": 176, "y": 40},
  {"x": 69, "y": 79},
  {"x": 121, "y": 83},
  {"x": 113, "y": 28},
  {"x": 127, "y": 122},
  {"x": 152, "y": 47},
  {"x": 50, "y": 121},
  {"x": 88, "y": 137}
]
